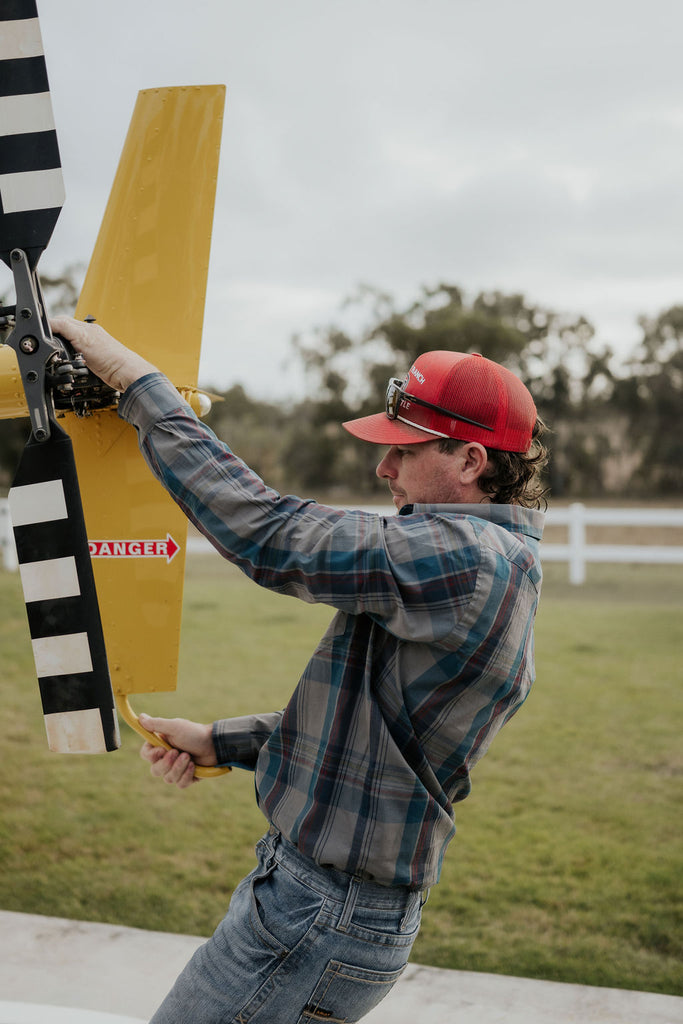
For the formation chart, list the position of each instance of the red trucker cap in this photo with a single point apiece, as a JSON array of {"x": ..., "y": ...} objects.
[{"x": 465, "y": 396}]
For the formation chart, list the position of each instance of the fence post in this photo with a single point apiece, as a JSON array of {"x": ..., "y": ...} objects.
[
  {"x": 7, "y": 546},
  {"x": 577, "y": 543}
]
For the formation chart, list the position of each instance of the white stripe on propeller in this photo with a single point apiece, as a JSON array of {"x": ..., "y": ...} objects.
[
  {"x": 24, "y": 191},
  {"x": 76, "y": 732},
  {"x": 50, "y": 579},
  {"x": 26, "y": 113},
  {"x": 20, "y": 39},
  {"x": 37, "y": 503},
  {"x": 64, "y": 655}
]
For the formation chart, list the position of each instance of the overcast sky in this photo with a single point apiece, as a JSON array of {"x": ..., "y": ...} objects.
[{"x": 518, "y": 145}]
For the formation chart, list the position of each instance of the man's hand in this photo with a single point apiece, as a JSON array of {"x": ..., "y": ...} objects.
[
  {"x": 112, "y": 362},
  {"x": 192, "y": 744}
]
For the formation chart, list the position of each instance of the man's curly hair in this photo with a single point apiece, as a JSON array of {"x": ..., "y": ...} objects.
[{"x": 512, "y": 478}]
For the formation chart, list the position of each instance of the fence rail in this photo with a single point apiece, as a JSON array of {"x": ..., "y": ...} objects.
[{"x": 577, "y": 552}]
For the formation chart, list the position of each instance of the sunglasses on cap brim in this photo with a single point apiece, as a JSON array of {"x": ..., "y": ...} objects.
[{"x": 396, "y": 393}]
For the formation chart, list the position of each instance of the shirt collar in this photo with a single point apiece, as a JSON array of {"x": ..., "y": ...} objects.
[{"x": 528, "y": 521}]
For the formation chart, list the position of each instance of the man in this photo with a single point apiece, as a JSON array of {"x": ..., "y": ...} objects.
[{"x": 429, "y": 653}]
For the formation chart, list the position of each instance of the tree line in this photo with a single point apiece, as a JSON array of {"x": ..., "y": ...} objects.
[{"x": 615, "y": 428}]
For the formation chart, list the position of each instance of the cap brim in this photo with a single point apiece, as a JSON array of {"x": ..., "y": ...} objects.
[{"x": 379, "y": 429}]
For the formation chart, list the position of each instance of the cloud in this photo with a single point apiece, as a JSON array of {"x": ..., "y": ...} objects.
[{"x": 521, "y": 146}]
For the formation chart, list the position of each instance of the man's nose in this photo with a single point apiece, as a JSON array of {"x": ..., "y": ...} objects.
[{"x": 386, "y": 468}]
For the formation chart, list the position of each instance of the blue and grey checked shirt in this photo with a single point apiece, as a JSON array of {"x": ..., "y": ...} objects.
[{"x": 429, "y": 653}]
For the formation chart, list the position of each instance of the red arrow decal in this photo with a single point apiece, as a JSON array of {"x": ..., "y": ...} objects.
[{"x": 167, "y": 549}]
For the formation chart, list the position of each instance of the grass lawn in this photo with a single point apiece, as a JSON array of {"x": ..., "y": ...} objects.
[{"x": 567, "y": 864}]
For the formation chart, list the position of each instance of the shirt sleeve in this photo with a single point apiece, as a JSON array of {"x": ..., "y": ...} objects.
[
  {"x": 238, "y": 741},
  {"x": 412, "y": 574}
]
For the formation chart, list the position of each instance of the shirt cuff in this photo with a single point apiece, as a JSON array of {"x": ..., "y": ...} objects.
[
  {"x": 148, "y": 400},
  {"x": 238, "y": 741}
]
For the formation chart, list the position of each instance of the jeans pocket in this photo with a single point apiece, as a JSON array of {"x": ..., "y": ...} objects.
[
  {"x": 282, "y": 909},
  {"x": 346, "y": 993}
]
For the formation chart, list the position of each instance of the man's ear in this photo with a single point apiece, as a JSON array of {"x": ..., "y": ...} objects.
[{"x": 474, "y": 461}]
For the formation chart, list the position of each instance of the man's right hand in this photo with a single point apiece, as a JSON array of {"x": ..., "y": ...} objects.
[
  {"x": 191, "y": 743},
  {"x": 112, "y": 362}
]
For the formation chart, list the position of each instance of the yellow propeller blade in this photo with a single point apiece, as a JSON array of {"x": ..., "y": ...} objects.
[{"x": 146, "y": 284}]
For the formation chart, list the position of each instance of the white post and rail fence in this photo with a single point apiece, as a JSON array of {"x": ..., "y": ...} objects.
[{"x": 577, "y": 551}]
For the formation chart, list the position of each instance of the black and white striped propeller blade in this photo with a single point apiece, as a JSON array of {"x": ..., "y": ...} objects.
[
  {"x": 31, "y": 184},
  {"x": 59, "y": 590},
  {"x": 45, "y": 502}
]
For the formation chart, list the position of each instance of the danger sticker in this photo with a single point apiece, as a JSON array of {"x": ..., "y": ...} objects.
[{"x": 155, "y": 548}]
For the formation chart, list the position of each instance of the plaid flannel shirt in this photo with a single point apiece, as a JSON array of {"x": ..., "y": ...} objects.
[{"x": 429, "y": 653}]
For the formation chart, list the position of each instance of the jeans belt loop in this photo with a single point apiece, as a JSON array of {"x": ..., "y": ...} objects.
[
  {"x": 410, "y": 903},
  {"x": 271, "y": 842},
  {"x": 349, "y": 904}
]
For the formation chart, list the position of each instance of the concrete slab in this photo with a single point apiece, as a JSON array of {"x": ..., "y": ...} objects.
[
  {"x": 39, "y": 1013},
  {"x": 110, "y": 970}
]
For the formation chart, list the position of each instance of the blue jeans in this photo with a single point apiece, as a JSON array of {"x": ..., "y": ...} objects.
[{"x": 299, "y": 944}]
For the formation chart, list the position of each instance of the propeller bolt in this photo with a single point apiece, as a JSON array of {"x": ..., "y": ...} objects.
[{"x": 28, "y": 344}]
